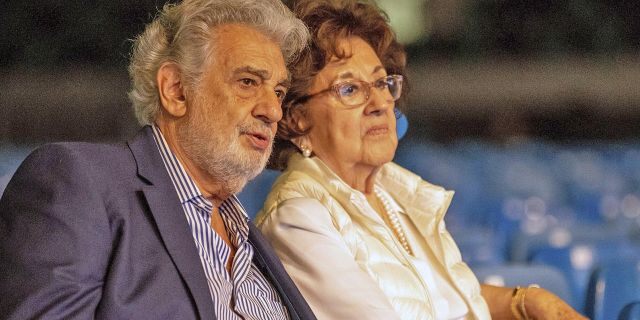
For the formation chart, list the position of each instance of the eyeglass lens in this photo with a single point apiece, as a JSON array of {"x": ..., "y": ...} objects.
[{"x": 357, "y": 92}]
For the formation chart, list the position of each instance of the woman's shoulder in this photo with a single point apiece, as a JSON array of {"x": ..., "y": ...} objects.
[
  {"x": 397, "y": 176},
  {"x": 292, "y": 185},
  {"x": 296, "y": 184}
]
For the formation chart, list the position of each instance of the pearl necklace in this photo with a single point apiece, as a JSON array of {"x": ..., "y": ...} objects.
[{"x": 394, "y": 220}]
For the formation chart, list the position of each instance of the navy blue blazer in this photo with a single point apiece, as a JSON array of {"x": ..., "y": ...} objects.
[{"x": 97, "y": 231}]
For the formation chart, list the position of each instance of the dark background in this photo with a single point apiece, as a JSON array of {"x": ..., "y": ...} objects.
[{"x": 562, "y": 70}]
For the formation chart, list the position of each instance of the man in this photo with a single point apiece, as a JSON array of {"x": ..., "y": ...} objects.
[{"x": 152, "y": 229}]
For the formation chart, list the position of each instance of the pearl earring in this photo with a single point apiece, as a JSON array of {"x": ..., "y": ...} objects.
[{"x": 306, "y": 151}]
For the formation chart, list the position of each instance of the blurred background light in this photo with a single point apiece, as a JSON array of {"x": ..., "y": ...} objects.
[{"x": 408, "y": 18}]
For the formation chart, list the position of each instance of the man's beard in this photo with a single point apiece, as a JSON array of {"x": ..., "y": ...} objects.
[{"x": 221, "y": 154}]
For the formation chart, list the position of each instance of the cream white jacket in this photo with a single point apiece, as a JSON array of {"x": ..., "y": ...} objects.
[{"x": 345, "y": 260}]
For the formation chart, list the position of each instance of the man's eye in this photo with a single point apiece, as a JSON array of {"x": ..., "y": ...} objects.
[
  {"x": 248, "y": 82},
  {"x": 280, "y": 94},
  {"x": 348, "y": 89}
]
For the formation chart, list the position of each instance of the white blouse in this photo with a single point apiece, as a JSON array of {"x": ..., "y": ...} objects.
[
  {"x": 345, "y": 259},
  {"x": 447, "y": 301}
]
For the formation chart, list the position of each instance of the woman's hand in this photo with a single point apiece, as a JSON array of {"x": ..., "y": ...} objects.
[{"x": 541, "y": 304}]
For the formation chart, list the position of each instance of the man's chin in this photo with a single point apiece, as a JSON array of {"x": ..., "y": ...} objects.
[
  {"x": 254, "y": 163},
  {"x": 261, "y": 164},
  {"x": 259, "y": 157},
  {"x": 240, "y": 183}
]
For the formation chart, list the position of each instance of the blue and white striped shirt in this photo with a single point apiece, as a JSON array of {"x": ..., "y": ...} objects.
[{"x": 246, "y": 293}]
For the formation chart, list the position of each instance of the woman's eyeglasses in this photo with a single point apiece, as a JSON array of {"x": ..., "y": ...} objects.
[{"x": 354, "y": 93}]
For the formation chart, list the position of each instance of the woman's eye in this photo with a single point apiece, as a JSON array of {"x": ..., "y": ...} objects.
[{"x": 348, "y": 89}]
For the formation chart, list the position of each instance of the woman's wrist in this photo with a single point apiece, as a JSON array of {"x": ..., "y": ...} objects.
[{"x": 519, "y": 302}]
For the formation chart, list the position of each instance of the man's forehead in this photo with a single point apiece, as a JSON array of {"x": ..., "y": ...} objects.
[
  {"x": 244, "y": 48},
  {"x": 241, "y": 37}
]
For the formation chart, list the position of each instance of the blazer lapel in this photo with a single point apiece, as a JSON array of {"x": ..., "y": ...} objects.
[
  {"x": 172, "y": 225},
  {"x": 271, "y": 267}
]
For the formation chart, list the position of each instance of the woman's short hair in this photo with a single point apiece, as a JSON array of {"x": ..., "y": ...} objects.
[
  {"x": 181, "y": 33},
  {"x": 328, "y": 22}
]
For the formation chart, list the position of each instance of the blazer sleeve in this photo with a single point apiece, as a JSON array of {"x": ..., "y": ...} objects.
[
  {"x": 321, "y": 265},
  {"x": 54, "y": 238}
]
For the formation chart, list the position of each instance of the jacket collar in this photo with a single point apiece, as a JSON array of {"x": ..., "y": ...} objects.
[
  {"x": 166, "y": 210},
  {"x": 424, "y": 203}
]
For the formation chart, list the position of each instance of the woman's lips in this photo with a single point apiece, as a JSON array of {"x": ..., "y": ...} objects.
[{"x": 378, "y": 130}]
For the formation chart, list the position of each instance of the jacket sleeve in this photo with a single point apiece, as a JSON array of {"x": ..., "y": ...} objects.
[
  {"x": 321, "y": 264},
  {"x": 54, "y": 239}
]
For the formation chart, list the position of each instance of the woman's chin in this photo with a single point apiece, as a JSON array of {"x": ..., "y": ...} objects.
[
  {"x": 382, "y": 147},
  {"x": 381, "y": 157}
]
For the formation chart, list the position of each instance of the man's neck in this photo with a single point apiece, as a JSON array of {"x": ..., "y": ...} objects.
[{"x": 211, "y": 188}]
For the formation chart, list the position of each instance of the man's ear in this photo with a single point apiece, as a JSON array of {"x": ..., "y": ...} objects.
[{"x": 170, "y": 89}]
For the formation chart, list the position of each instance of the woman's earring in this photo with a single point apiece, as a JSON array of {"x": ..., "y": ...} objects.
[
  {"x": 306, "y": 151},
  {"x": 303, "y": 144}
]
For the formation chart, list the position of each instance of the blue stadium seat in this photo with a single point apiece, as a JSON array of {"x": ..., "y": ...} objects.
[
  {"x": 511, "y": 275},
  {"x": 630, "y": 312},
  {"x": 613, "y": 286},
  {"x": 578, "y": 261},
  {"x": 10, "y": 158},
  {"x": 478, "y": 246},
  {"x": 526, "y": 245},
  {"x": 255, "y": 192}
]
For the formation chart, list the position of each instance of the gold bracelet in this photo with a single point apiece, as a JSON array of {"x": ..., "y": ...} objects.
[
  {"x": 515, "y": 298},
  {"x": 523, "y": 310}
]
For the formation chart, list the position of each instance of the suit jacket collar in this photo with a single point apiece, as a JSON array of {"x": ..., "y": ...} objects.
[{"x": 165, "y": 207}]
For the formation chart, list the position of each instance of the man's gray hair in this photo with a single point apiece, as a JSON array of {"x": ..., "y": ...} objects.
[{"x": 181, "y": 33}]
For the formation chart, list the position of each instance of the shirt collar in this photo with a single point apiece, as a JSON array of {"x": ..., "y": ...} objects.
[
  {"x": 186, "y": 188},
  {"x": 183, "y": 183}
]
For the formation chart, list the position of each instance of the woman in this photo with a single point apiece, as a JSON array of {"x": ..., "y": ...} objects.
[{"x": 361, "y": 237}]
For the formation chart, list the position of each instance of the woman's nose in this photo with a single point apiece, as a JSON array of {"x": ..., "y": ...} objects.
[{"x": 379, "y": 101}]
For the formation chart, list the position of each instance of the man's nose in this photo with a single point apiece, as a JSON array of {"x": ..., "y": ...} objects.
[{"x": 268, "y": 107}]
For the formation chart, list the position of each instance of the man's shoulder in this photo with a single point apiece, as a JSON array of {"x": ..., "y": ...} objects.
[
  {"x": 85, "y": 152},
  {"x": 68, "y": 159},
  {"x": 80, "y": 147},
  {"x": 93, "y": 151}
]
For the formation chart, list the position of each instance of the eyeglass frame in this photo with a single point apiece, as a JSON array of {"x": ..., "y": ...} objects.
[{"x": 369, "y": 85}]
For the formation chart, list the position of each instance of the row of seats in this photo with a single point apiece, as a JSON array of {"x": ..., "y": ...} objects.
[
  {"x": 540, "y": 184},
  {"x": 613, "y": 291},
  {"x": 529, "y": 186},
  {"x": 581, "y": 255}
]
